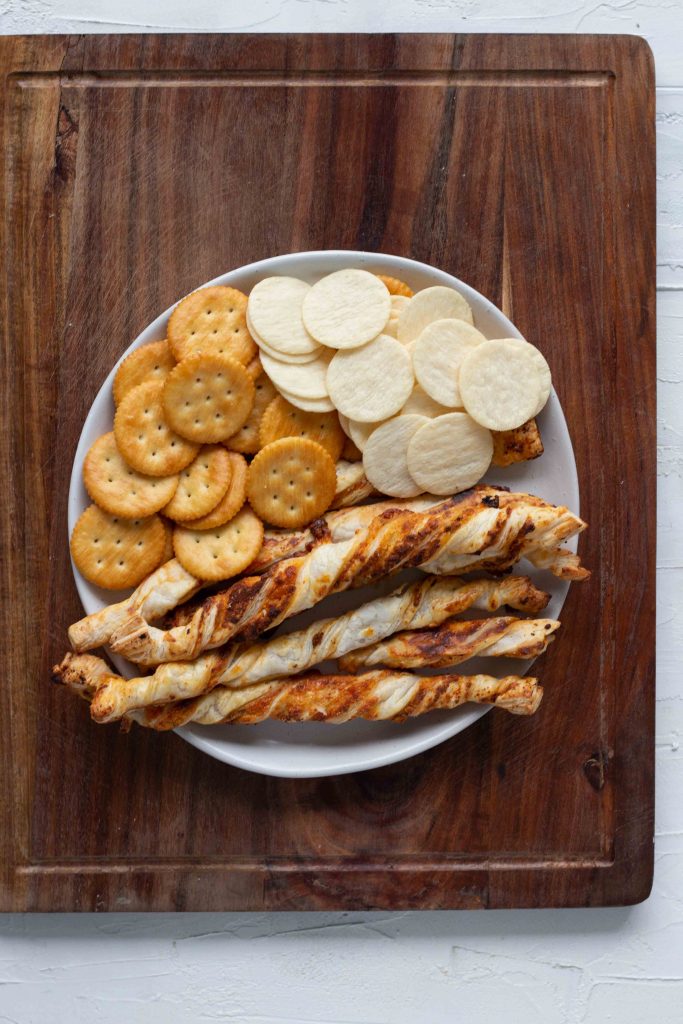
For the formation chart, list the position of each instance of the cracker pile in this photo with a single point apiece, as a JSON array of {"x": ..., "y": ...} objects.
[
  {"x": 417, "y": 388},
  {"x": 239, "y": 417}
]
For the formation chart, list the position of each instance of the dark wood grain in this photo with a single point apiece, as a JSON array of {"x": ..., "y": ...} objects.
[{"x": 137, "y": 167}]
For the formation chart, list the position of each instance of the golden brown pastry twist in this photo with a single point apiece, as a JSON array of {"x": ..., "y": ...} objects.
[
  {"x": 461, "y": 534},
  {"x": 425, "y": 603}
]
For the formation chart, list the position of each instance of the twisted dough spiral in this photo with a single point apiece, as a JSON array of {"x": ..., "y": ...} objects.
[
  {"x": 320, "y": 698},
  {"x": 463, "y": 533},
  {"x": 425, "y": 603},
  {"x": 456, "y": 641}
]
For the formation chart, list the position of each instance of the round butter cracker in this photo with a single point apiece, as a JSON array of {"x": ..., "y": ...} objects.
[
  {"x": 201, "y": 486},
  {"x": 282, "y": 419},
  {"x": 207, "y": 398},
  {"x": 212, "y": 320},
  {"x": 351, "y": 452},
  {"x": 395, "y": 286},
  {"x": 232, "y": 500},
  {"x": 120, "y": 490},
  {"x": 115, "y": 553},
  {"x": 144, "y": 436},
  {"x": 149, "y": 362},
  {"x": 246, "y": 439},
  {"x": 291, "y": 482},
  {"x": 221, "y": 552}
]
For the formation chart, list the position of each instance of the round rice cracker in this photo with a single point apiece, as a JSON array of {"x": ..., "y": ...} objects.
[
  {"x": 371, "y": 383},
  {"x": 344, "y": 423},
  {"x": 305, "y": 380},
  {"x": 308, "y": 404},
  {"x": 284, "y": 357},
  {"x": 115, "y": 553},
  {"x": 212, "y": 320},
  {"x": 396, "y": 287},
  {"x": 291, "y": 482},
  {"x": 385, "y": 456},
  {"x": 207, "y": 398},
  {"x": 246, "y": 439},
  {"x": 144, "y": 436},
  {"x": 202, "y": 485},
  {"x": 360, "y": 432},
  {"x": 232, "y": 500},
  {"x": 117, "y": 488},
  {"x": 398, "y": 304},
  {"x": 449, "y": 454},
  {"x": 437, "y": 303},
  {"x": 221, "y": 552},
  {"x": 282, "y": 419},
  {"x": 346, "y": 309},
  {"x": 275, "y": 313},
  {"x": 542, "y": 365},
  {"x": 423, "y": 404},
  {"x": 502, "y": 384},
  {"x": 437, "y": 354},
  {"x": 149, "y": 362}
]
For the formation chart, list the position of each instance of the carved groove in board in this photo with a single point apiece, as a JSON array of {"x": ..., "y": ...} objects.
[
  {"x": 315, "y": 79},
  {"x": 287, "y": 864}
]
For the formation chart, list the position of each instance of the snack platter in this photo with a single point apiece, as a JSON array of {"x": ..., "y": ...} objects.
[
  {"x": 139, "y": 169},
  {"x": 309, "y": 751}
]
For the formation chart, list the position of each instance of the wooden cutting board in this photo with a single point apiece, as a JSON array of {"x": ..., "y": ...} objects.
[{"x": 136, "y": 168}]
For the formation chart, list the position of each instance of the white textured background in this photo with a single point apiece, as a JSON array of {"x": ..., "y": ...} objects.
[{"x": 519, "y": 967}]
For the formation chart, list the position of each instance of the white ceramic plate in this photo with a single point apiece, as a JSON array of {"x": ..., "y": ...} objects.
[{"x": 310, "y": 750}]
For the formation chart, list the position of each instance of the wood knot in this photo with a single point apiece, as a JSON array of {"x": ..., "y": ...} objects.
[
  {"x": 66, "y": 138},
  {"x": 595, "y": 768}
]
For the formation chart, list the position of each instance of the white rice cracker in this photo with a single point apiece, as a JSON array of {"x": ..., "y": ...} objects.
[
  {"x": 398, "y": 304},
  {"x": 503, "y": 383},
  {"x": 274, "y": 311},
  {"x": 344, "y": 424},
  {"x": 308, "y": 404},
  {"x": 307, "y": 380},
  {"x": 346, "y": 309},
  {"x": 543, "y": 369},
  {"x": 285, "y": 357},
  {"x": 437, "y": 303},
  {"x": 385, "y": 456},
  {"x": 437, "y": 355},
  {"x": 423, "y": 404},
  {"x": 371, "y": 383},
  {"x": 360, "y": 432},
  {"x": 449, "y": 454}
]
